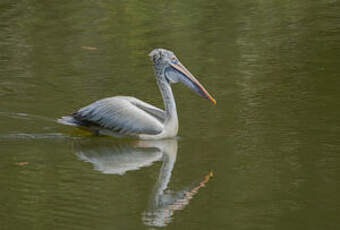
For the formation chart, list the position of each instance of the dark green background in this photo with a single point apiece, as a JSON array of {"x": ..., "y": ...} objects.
[{"x": 272, "y": 140}]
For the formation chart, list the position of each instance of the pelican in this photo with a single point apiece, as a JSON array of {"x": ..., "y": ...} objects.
[{"x": 124, "y": 116}]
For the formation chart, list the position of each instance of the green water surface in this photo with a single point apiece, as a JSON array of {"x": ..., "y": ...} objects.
[{"x": 266, "y": 156}]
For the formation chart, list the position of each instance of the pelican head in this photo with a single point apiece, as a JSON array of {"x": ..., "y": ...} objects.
[{"x": 168, "y": 66}]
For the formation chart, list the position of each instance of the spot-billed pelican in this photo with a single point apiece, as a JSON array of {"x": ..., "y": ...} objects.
[{"x": 128, "y": 116}]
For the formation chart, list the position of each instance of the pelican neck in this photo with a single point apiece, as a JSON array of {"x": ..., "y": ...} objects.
[{"x": 168, "y": 98}]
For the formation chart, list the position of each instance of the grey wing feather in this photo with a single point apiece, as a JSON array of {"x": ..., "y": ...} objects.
[
  {"x": 119, "y": 115},
  {"x": 156, "y": 112}
]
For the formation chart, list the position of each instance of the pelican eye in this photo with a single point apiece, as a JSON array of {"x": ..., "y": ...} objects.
[{"x": 174, "y": 60}]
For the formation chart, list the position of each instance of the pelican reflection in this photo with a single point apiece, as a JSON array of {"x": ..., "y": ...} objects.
[{"x": 123, "y": 157}]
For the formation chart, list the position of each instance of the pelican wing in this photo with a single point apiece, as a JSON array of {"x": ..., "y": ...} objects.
[
  {"x": 154, "y": 111},
  {"x": 121, "y": 115}
]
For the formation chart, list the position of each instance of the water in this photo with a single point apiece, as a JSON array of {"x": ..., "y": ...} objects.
[{"x": 264, "y": 157}]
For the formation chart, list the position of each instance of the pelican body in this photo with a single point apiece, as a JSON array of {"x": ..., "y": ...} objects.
[{"x": 123, "y": 116}]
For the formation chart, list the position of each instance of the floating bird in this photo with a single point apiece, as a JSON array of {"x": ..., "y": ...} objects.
[{"x": 123, "y": 116}]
